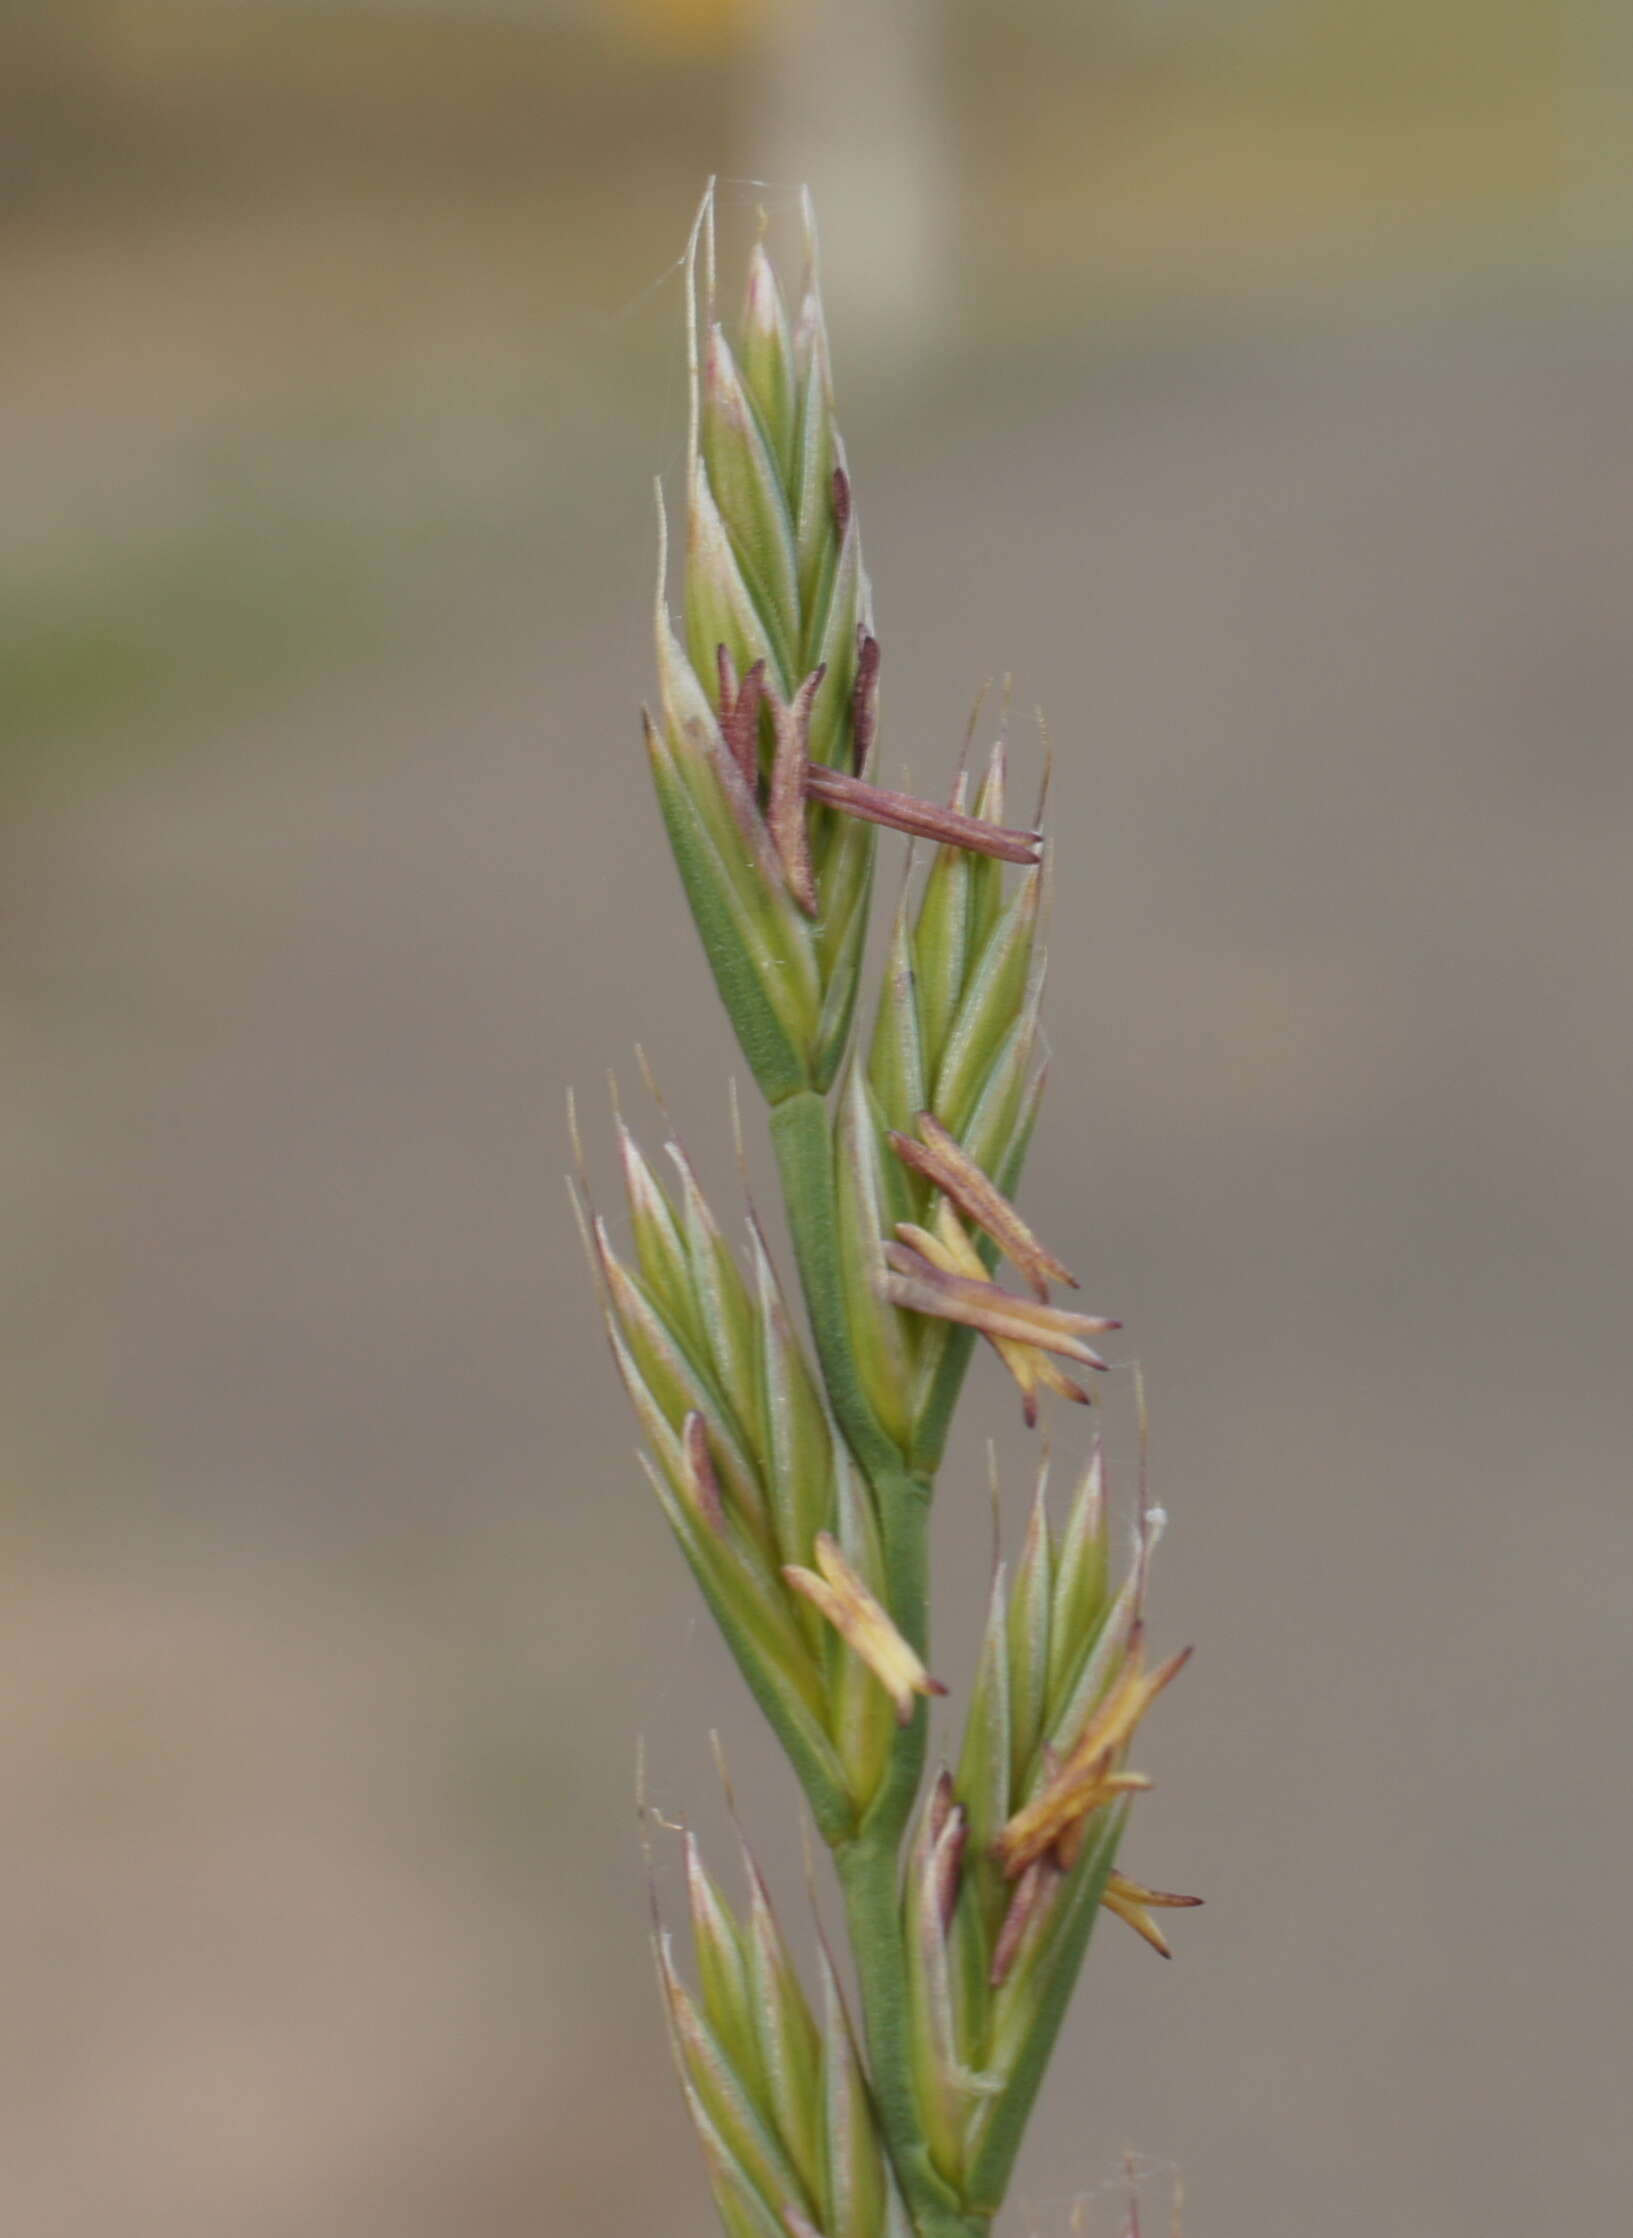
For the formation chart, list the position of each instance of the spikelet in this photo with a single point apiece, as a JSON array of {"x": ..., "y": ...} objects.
[
  {"x": 953, "y": 1077},
  {"x": 777, "y": 2093},
  {"x": 761, "y": 1496},
  {"x": 765, "y": 744},
  {"x": 1040, "y": 1798},
  {"x": 773, "y": 670}
]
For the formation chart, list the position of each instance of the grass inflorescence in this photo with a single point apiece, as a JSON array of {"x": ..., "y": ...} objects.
[{"x": 797, "y": 1472}]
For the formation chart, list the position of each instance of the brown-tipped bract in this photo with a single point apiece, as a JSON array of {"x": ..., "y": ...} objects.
[
  {"x": 945, "y": 1163},
  {"x": 863, "y": 1624},
  {"x": 1135, "y": 1903},
  {"x": 940, "y": 1275}
]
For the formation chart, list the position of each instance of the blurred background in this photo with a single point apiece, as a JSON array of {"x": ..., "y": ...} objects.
[{"x": 1253, "y": 380}]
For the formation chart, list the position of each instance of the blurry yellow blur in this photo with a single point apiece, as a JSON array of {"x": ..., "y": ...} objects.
[
  {"x": 710, "y": 26},
  {"x": 1251, "y": 376}
]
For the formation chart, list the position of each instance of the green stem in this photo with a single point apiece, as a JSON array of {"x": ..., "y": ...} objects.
[
  {"x": 869, "y": 1879},
  {"x": 869, "y": 1866}
]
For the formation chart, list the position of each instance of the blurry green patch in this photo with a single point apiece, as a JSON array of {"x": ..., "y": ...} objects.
[{"x": 118, "y": 658}]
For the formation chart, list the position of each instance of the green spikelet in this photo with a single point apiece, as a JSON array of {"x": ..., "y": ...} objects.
[
  {"x": 748, "y": 1471},
  {"x": 780, "y": 2100},
  {"x": 1029, "y": 1635},
  {"x": 955, "y": 1034},
  {"x": 776, "y": 645},
  {"x": 1057, "y": 1648}
]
